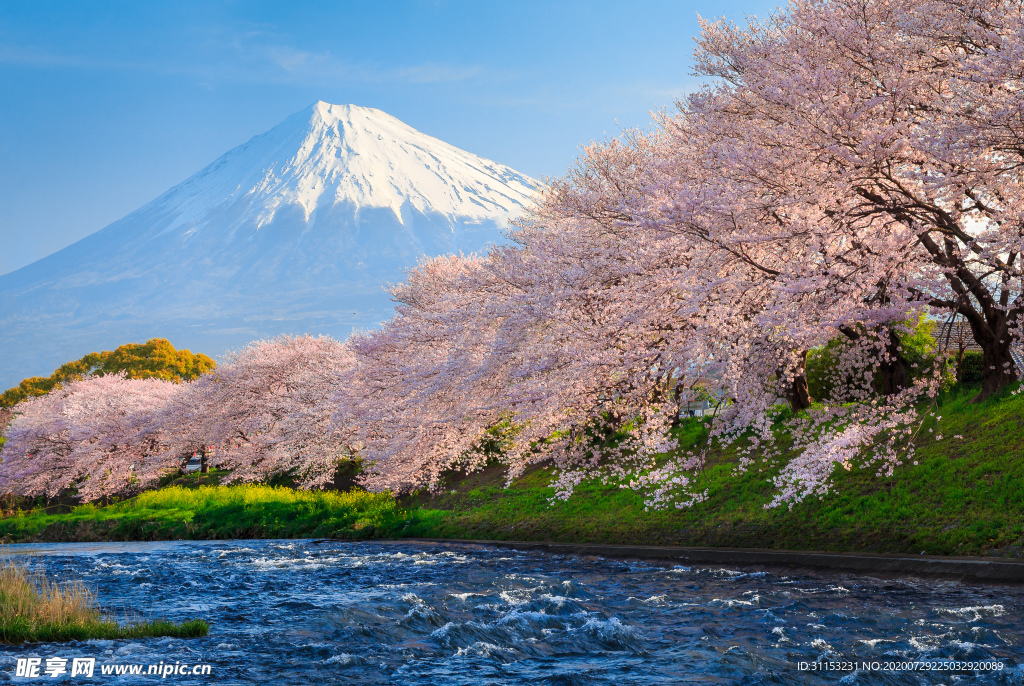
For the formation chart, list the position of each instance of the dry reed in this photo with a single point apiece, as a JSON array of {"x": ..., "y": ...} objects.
[{"x": 34, "y": 608}]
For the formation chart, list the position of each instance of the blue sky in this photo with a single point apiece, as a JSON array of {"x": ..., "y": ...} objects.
[{"x": 105, "y": 105}]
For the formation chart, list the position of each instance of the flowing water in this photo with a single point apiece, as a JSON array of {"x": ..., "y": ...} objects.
[{"x": 328, "y": 612}]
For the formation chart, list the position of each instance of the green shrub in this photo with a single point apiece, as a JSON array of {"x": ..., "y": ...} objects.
[{"x": 972, "y": 368}]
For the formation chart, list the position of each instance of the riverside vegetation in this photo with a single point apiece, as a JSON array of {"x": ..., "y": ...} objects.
[
  {"x": 34, "y": 609},
  {"x": 965, "y": 497}
]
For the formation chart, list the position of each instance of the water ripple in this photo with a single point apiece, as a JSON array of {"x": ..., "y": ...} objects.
[{"x": 327, "y": 612}]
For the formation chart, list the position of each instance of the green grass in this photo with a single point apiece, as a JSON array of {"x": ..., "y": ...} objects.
[
  {"x": 34, "y": 609},
  {"x": 966, "y": 497},
  {"x": 218, "y": 512},
  {"x": 20, "y": 631}
]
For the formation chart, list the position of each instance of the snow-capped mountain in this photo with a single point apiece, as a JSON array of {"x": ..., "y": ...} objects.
[{"x": 296, "y": 231}]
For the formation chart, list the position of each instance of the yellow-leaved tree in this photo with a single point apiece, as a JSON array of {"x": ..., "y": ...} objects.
[{"x": 154, "y": 359}]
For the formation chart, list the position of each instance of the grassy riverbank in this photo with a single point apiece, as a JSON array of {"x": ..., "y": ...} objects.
[
  {"x": 35, "y": 609},
  {"x": 966, "y": 497},
  {"x": 216, "y": 512}
]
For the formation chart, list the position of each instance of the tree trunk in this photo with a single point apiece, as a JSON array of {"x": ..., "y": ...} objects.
[
  {"x": 799, "y": 394},
  {"x": 677, "y": 399},
  {"x": 204, "y": 464},
  {"x": 999, "y": 369},
  {"x": 893, "y": 370},
  {"x": 997, "y": 363}
]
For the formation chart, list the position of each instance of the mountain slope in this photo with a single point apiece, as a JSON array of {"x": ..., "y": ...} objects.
[{"x": 296, "y": 231}]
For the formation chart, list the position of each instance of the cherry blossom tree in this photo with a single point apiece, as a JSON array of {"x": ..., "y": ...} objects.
[
  {"x": 799, "y": 199},
  {"x": 760, "y": 311},
  {"x": 896, "y": 124},
  {"x": 264, "y": 412},
  {"x": 90, "y": 436},
  {"x": 557, "y": 337},
  {"x": 859, "y": 160}
]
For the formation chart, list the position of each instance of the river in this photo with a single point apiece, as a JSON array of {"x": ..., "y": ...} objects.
[{"x": 329, "y": 612}]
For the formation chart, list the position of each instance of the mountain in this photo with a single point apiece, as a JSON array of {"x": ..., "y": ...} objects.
[{"x": 296, "y": 231}]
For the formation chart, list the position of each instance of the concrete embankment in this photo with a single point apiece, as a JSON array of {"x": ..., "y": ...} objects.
[{"x": 992, "y": 569}]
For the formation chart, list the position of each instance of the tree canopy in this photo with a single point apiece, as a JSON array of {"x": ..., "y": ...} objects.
[{"x": 154, "y": 359}]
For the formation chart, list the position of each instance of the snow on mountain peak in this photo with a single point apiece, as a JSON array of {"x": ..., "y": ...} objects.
[{"x": 330, "y": 154}]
